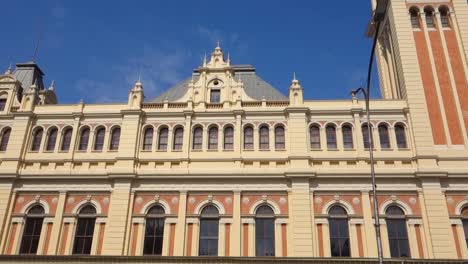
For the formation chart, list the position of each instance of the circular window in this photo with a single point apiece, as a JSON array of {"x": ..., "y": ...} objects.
[{"x": 216, "y": 82}]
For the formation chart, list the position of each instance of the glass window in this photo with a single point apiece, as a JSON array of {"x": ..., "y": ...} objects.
[
  {"x": 66, "y": 139},
  {"x": 264, "y": 232},
  {"x": 429, "y": 18},
  {"x": 339, "y": 234},
  {"x": 264, "y": 137},
  {"x": 279, "y": 138},
  {"x": 32, "y": 230},
  {"x": 229, "y": 138},
  {"x": 331, "y": 137},
  {"x": 464, "y": 214},
  {"x": 215, "y": 96},
  {"x": 198, "y": 138},
  {"x": 99, "y": 140},
  {"x": 209, "y": 228},
  {"x": 163, "y": 138},
  {"x": 213, "y": 138},
  {"x": 178, "y": 138},
  {"x": 37, "y": 138},
  {"x": 414, "y": 12},
  {"x": 347, "y": 137},
  {"x": 444, "y": 16},
  {"x": 2, "y": 104},
  {"x": 154, "y": 231},
  {"x": 5, "y": 137},
  {"x": 397, "y": 232},
  {"x": 148, "y": 139},
  {"x": 115, "y": 139},
  {"x": 384, "y": 137},
  {"x": 400, "y": 136},
  {"x": 52, "y": 139},
  {"x": 248, "y": 138},
  {"x": 314, "y": 137},
  {"x": 84, "y": 230},
  {"x": 84, "y": 139},
  {"x": 365, "y": 135}
]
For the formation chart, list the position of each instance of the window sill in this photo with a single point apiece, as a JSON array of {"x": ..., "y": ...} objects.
[
  {"x": 64, "y": 151},
  {"x": 333, "y": 149},
  {"x": 48, "y": 151},
  {"x": 81, "y": 151},
  {"x": 113, "y": 150},
  {"x": 228, "y": 150},
  {"x": 282, "y": 150},
  {"x": 349, "y": 149},
  {"x": 197, "y": 150},
  {"x": 404, "y": 149},
  {"x": 146, "y": 150},
  {"x": 386, "y": 149},
  {"x": 447, "y": 29},
  {"x": 264, "y": 150},
  {"x": 176, "y": 150},
  {"x": 212, "y": 150},
  {"x": 161, "y": 150},
  {"x": 96, "y": 151},
  {"x": 250, "y": 150},
  {"x": 316, "y": 149}
]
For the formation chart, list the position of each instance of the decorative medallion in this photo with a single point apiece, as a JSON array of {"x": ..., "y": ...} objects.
[
  {"x": 210, "y": 197},
  {"x": 139, "y": 200},
  {"x": 88, "y": 197},
  {"x": 54, "y": 200},
  {"x": 245, "y": 200},
  {"x": 264, "y": 197},
  {"x": 71, "y": 200},
  {"x": 356, "y": 200},
  {"x": 450, "y": 200},
  {"x": 413, "y": 200},
  {"x": 282, "y": 200},
  {"x": 21, "y": 200},
  {"x": 336, "y": 197},
  {"x": 394, "y": 198},
  {"x": 37, "y": 198},
  {"x": 228, "y": 200},
  {"x": 318, "y": 200},
  {"x": 192, "y": 200},
  {"x": 105, "y": 200},
  {"x": 174, "y": 200},
  {"x": 156, "y": 198}
]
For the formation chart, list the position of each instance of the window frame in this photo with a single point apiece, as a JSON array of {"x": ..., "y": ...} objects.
[
  {"x": 114, "y": 142},
  {"x": 384, "y": 137},
  {"x": 228, "y": 138},
  {"x": 332, "y": 142},
  {"x": 280, "y": 138},
  {"x": 348, "y": 139},
  {"x": 213, "y": 138},
  {"x": 178, "y": 140},
  {"x": 248, "y": 138},
  {"x": 99, "y": 139},
  {"x": 264, "y": 137},
  {"x": 314, "y": 137},
  {"x": 340, "y": 221},
  {"x": 3, "y": 103},
  {"x": 148, "y": 136},
  {"x": 209, "y": 222},
  {"x": 157, "y": 236},
  {"x": 82, "y": 145},
  {"x": 31, "y": 240},
  {"x": 215, "y": 96},
  {"x": 36, "y": 141},
  {"x": 163, "y": 139},
  {"x": 66, "y": 139},
  {"x": 86, "y": 219},
  {"x": 401, "y": 137},
  {"x": 397, "y": 221},
  {"x": 197, "y": 142},
  {"x": 5, "y": 138},
  {"x": 265, "y": 221}
]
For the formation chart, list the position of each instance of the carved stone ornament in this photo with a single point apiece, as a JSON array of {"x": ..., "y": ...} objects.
[
  {"x": 318, "y": 200},
  {"x": 156, "y": 198},
  {"x": 37, "y": 198}
]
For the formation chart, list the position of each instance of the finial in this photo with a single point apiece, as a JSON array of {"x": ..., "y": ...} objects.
[
  {"x": 8, "y": 71},
  {"x": 294, "y": 76},
  {"x": 228, "y": 58},
  {"x": 204, "y": 60},
  {"x": 52, "y": 85},
  {"x": 217, "y": 45}
]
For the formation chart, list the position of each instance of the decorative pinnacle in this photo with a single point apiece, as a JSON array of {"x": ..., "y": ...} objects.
[
  {"x": 8, "y": 71},
  {"x": 52, "y": 85},
  {"x": 295, "y": 82},
  {"x": 294, "y": 76},
  {"x": 228, "y": 58},
  {"x": 217, "y": 45},
  {"x": 204, "y": 60}
]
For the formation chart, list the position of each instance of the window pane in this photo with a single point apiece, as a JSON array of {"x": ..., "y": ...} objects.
[
  {"x": 365, "y": 135},
  {"x": 331, "y": 137},
  {"x": 229, "y": 138},
  {"x": 465, "y": 227},
  {"x": 279, "y": 138},
  {"x": 264, "y": 137},
  {"x": 154, "y": 231},
  {"x": 248, "y": 138},
  {"x": 384, "y": 137},
  {"x": 37, "y": 138},
  {"x": 163, "y": 138},
  {"x": 213, "y": 138},
  {"x": 198, "y": 138},
  {"x": 84, "y": 139},
  {"x": 115, "y": 139},
  {"x": 2, "y": 104},
  {"x": 314, "y": 137},
  {"x": 5, "y": 138},
  {"x": 178, "y": 138},
  {"x": 148, "y": 139},
  {"x": 99, "y": 141},
  {"x": 51, "y": 140},
  {"x": 66, "y": 141},
  {"x": 400, "y": 136},
  {"x": 84, "y": 235},
  {"x": 348, "y": 137},
  {"x": 215, "y": 96},
  {"x": 31, "y": 235},
  {"x": 264, "y": 237},
  {"x": 209, "y": 237}
]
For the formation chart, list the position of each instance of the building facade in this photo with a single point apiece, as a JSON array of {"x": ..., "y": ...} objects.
[{"x": 223, "y": 164}]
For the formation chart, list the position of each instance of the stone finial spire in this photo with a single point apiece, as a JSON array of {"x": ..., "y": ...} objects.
[
  {"x": 52, "y": 86},
  {"x": 136, "y": 95},
  {"x": 8, "y": 71},
  {"x": 295, "y": 82},
  {"x": 204, "y": 60},
  {"x": 296, "y": 97}
]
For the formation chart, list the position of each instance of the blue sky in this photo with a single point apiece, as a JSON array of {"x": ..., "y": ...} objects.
[{"x": 94, "y": 50}]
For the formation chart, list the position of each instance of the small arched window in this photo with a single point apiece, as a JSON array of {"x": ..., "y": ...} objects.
[
  {"x": 84, "y": 139},
  {"x": 331, "y": 137},
  {"x": 66, "y": 139},
  {"x": 339, "y": 233},
  {"x": 148, "y": 138},
  {"x": 464, "y": 215},
  {"x": 429, "y": 12},
  {"x": 279, "y": 138},
  {"x": 213, "y": 138},
  {"x": 32, "y": 230},
  {"x": 115, "y": 139},
  {"x": 314, "y": 132},
  {"x": 209, "y": 229},
  {"x": 197, "y": 138},
  {"x": 84, "y": 230},
  {"x": 99, "y": 139},
  {"x": 414, "y": 13},
  {"x": 178, "y": 138},
  {"x": 51, "y": 139},
  {"x": 347, "y": 137},
  {"x": 397, "y": 232},
  {"x": 366, "y": 135},
  {"x": 5, "y": 137},
  {"x": 264, "y": 137},
  {"x": 229, "y": 138},
  {"x": 400, "y": 135},
  {"x": 264, "y": 232},
  {"x": 154, "y": 231},
  {"x": 37, "y": 139},
  {"x": 444, "y": 16},
  {"x": 248, "y": 137},
  {"x": 384, "y": 137},
  {"x": 163, "y": 138}
]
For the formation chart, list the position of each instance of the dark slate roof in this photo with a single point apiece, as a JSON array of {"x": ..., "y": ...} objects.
[
  {"x": 254, "y": 86},
  {"x": 29, "y": 73}
]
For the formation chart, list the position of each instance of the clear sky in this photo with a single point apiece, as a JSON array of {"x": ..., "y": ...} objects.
[{"x": 94, "y": 50}]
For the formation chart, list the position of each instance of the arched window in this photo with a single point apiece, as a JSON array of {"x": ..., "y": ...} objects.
[
  {"x": 66, "y": 139},
  {"x": 163, "y": 138},
  {"x": 414, "y": 13},
  {"x": 264, "y": 231},
  {"x": 213, "y": 138},
  {"x": 279, "y": 138},
  {"x": 331, "y": 137},
  {"x": 209, "y": 228},
  {"x": 365, "y": 135},
  {"x": 115, "y": 139},
  {"x": 429, "y": 11},
  {"x": 51, "y": 139},
  {"x": 37, "y": 139},
  {"x": 264, "y": 137},
  {"x": 228, "y": 138},
  {"x": 339, "y": 234},
  {"x": 84, "y": 139},
  {"x": 397, "y": 232},
  {"x": 5, "y": 137},
  {"x": 197, "y": 138},
  {"x": 464, "y": 215},
  {"x": 99, "y": 139},
  {"x": 2, "y": 104},
  {"x": 148, "y": 138},
  {"x": 400, "y": 135},
  {"x": 444, "y": 16},
  {"x": 32, "y": 230},
  {"x": 347, "y": 137},
  {"x": 84, "y": 230},
  {"x": 248, "y": 137},
  {"x": 314, "y": 132},
  {"x": 178, "y": 138},
  {"x": 384, "y": 137},
  {"x": 154, "y": 231}
]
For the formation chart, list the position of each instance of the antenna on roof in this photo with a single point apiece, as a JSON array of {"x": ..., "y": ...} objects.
[{"x": 39, "y": 33}]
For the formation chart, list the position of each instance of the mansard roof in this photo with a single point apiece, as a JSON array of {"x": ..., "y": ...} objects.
[{"x": 28, "y": 74}]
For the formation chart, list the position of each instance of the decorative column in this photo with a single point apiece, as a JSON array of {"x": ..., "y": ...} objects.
[
  {"x": 369, "y": 240},
  {"x": 236, "y": 226},
  {"x": 281, "y": 237},
  {"x": 14, "y": 238},
  {"x": 98, "y": 236},
  {"x": 179, "y": 239},
  {"x": 44, "y": 238},
  {"x": 414, "y": 238},
  {"x": 6, "y": 209},
  {"x": 193, "y": 228},
  {"x": 323, "y": 234},
  {"x": 384, "y": 236},
  {"x": 57, "y": 225},
  {"x": 68, "y": 232},
  {"x": 138, "y": 226},
  {"x": 168, "y": 236}
]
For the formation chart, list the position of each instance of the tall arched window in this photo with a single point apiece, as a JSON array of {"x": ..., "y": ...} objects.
[
  {"x": 178, "y": 138},
  {"x": 66, "y": 139},
  {"x": 339, "y": 234},
  {"x": 264, "y": 231},
  {"x": 37, "y": 139},
  {"x": 384, "y": 137},
  {"x": 197, "y": 138},
  {"x": 429, "y": 11},
  {"x": 347, "y": 131},
  {"x": 148, "y": 138},
  {"x": 264, "y": 137},
  {"x": 397, "y": 232},
  {"x": 209, "y": 228},
  {"x": 365, "y": 135},
  {"x": 163, "y": 138},
  {"x": 5, "y": 137},
  {"x": 154, "y": 231},
  {"x": 229, "y": 138},
  {"x": 331, "y": 137},
  {"x": 51, "y": 139},
  {"x": 84, "y": 139},
  {"x": 84, "y": 230},
  {"x": 314, "y": 132},
  {"x": 464, "y": 215},
  {"x": 444, "y": 16},
  {"x": 32, "y": 230},
  {"x": 400, "y": 135},
  {"x": 414, "y": 13},
  {"x": 280, "y": 138},
  {"x": 248, "y": 137},
  {"x": 115, "y": 139},
  {"x": 213, "y": 138},
  {"x": 99, "y": 139}
]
